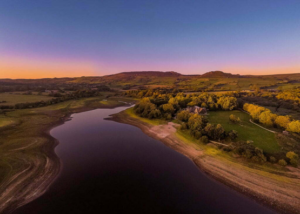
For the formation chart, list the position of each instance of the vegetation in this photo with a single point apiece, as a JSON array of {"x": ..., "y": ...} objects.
[
  {"x": 166, "y": 96},
  {"x": 234, "y": 119},
  {"x": 222, "y": 123},
  {"x": 267, "y": 118},
  {"x": 13, "y": 101},
  {"x": 246, "y": 130}
]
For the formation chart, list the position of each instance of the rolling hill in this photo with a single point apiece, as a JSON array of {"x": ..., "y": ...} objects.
[{"x": 213, "y": 80}]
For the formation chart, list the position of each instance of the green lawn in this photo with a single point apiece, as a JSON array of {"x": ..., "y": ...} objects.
[
  {"x": 246, "y": 130},
  {"x": 12, "y": 99}
]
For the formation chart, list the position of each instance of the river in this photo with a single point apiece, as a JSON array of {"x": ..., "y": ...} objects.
[{"x": 108, "y": 167}]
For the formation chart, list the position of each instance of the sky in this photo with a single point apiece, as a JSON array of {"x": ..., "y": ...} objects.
[{"x": 59, "y": 38}]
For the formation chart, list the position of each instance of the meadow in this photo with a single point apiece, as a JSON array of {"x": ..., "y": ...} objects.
[
  {"x": 247, "y": 131},
  {"x": 15, "y": 98}
]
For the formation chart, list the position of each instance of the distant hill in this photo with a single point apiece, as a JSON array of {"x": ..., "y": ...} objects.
[
  {"x": 150, "y": 73},
  {"x": 213, "y": 80},
  {"x": 219, "y": 74}
]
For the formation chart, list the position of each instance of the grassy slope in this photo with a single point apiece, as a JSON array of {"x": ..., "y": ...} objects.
[
  {"x": 182, "y": 81},
  {"x": 12, "y": 99},
  {"x": 246, "y": 130}
]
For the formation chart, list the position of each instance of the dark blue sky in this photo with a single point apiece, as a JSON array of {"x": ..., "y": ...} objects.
[{"x": 186, "y": 36}]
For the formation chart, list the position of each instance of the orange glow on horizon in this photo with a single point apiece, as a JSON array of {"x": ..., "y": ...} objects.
[
  {"x": 20, "y": 68},
  {"x": 262, "y": 71},
  {"x": 25, "y": 68}
]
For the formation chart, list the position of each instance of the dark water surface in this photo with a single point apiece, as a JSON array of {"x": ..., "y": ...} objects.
[{"x": 115, "y": 168}]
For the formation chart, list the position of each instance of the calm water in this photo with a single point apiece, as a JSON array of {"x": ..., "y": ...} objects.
[{"x": 115, "y": 168}]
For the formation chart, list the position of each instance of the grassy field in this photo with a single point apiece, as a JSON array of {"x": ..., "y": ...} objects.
[
  {"x": 246, "y": 130},
  {"x": 12, "y": 99}
]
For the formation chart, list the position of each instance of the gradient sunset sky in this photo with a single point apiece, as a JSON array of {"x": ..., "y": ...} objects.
[{"x": 58, "y": 38}]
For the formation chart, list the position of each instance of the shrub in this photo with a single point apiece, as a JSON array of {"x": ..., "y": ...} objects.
[
  {"x": 292, "y": 155},
  {"x": 233, "y": 134},
  {"x": 294, "y": 162},
  {"x": 204, "y": 139},
  {"x": 273, "y": 159},
  {"x": 234, "y": 119},
  {"x": 282, "y": 162},
  {"x": 293, "y": 158}
]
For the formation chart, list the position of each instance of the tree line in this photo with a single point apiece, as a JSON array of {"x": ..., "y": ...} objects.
[
  {"x": 172, "y": 105},
  {"x": 266, "y": 117}
]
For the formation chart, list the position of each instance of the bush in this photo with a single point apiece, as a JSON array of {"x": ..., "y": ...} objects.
[
  {"x": 233, "y": 134},
  {"x": 282, "y": 162},
  {"x": 293, "y": 158},
  {"x": 204, "y": 139},
  {"x": 234, "y": 119},
  {"x": 294, "y": 162},
  {"x": 272, "y": 159},
  {"x": 292, "y": 155}
]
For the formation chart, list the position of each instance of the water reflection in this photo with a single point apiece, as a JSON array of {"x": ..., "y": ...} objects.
[{"x": 112, "y": 168}]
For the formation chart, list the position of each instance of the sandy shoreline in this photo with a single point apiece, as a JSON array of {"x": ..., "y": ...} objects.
[
  {"x": 280, "y": 195},
  {"x": 278, "y": 191}
]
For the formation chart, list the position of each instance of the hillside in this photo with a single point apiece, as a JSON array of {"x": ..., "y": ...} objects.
[
  {"x": 213, "y": 80},
  {"x": 219, "y": 74}
]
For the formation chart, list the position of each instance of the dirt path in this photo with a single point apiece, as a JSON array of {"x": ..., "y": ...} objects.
[
  {"x": 275, "y": 188},
  {"x": 262, "y": 127}
]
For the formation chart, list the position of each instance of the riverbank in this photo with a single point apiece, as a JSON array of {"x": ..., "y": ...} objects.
[
  {"x": 28, "y": 163},
  {"x": 274, "y": 186}
]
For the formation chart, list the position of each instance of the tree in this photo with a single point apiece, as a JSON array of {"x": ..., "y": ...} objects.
[
  {"x": 183, "y": 115},
  {"x": 203, "y": 105},
  {"x": 227, "y": 103},
  {"x": 219, "y": 132},
  {"x": 294, "y": 126},
  {"x": 209, "y": 130},
  {"x": 267, "y": 118},
  {"x": 196, "y": 122},
  {"x": 168, "y": 108},
  {"x": 282, "y": 121},
  {"x": 155, "y": 113},
  {"x": 174, "y": 103}
]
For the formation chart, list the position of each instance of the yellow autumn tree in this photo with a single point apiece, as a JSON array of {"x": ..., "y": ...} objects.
[
  {"x": 267, "y": 118},
  {"x": 294, "y": 126},
  {"x": 282, "y": 121}
]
